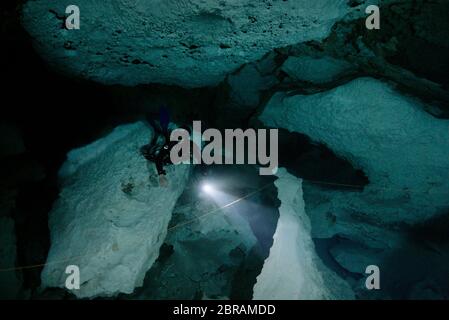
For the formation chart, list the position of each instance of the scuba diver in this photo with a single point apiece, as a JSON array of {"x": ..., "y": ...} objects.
[{"x": 158, "y": 150}]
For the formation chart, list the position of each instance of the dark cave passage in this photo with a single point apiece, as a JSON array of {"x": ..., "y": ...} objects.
[{"x": 316, "y": 163}]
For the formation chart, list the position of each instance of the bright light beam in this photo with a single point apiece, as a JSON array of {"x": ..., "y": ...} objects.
[{"x": 207, "y": 188}]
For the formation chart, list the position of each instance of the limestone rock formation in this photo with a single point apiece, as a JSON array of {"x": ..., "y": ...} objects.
[
  {"x": 111, "y": 216},
  {"x": 315, "y": 70},
  {"x": 187, "y": 43},
  {"x": 293, "y": 270},
  {"x": 403, "y": 150}
]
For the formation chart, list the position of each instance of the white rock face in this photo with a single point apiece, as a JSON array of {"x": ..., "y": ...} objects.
[
  {"x": 10, "y": 281},
  {"x": 293, "y": 270},
  {"x": 403, "y": 150},
  {"x": 110, "y": 218},
  {"x": 187, "y": 43}
]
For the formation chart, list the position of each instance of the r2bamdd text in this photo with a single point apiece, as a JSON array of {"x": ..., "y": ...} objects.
[{"x": 226, "y": 309}]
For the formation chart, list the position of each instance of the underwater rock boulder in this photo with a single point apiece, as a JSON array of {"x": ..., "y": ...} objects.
[
  {"x": 245, "y": 88},
  {"x": 315, "y": 70},
  {"x": 403, "y": 150},
  {"x": 353, "y": 257},
  {"x": 190, "y": 44},
  {"x": 246, "y": 85},
  {"x": 293, "y": 270},
  {"x": 111, "y": 216}
]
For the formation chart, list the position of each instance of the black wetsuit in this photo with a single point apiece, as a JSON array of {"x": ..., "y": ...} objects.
[
  {"x": 158, "y": 151},
  {"x": 163, "y": 157}
]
